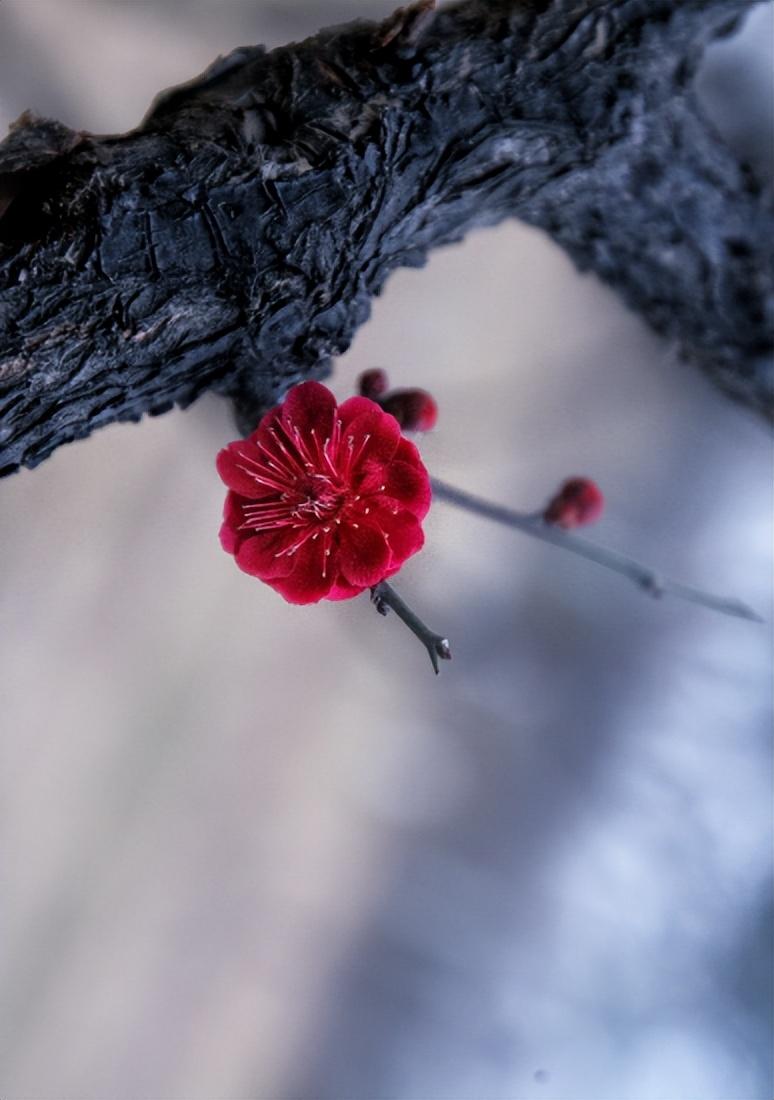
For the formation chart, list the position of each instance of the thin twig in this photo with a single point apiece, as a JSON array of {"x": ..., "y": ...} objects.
[
  {"x": 643, "y": 576},
  {"x": 385, "y": 597}
]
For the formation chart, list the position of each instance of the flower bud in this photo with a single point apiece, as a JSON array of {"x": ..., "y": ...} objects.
[
  {"x": 415, "y": 410},
  {"x": 578, "y": 502},
  {"x": 373, "y": 383}
]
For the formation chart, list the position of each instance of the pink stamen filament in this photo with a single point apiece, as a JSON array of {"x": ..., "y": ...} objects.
[
  {"x": 300, "y": 444},
  {"x": 293, "y": 460},
  {"x": 262, "y": 479}
]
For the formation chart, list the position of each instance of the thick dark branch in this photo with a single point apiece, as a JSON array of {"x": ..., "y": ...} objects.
[{"x": 234, "y": 241}]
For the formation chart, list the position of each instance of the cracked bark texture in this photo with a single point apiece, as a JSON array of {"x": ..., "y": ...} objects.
[{"x": 233, "y": 241}]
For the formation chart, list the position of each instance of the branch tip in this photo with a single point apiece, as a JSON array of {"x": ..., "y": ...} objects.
[{"x": 385, "y": 598}]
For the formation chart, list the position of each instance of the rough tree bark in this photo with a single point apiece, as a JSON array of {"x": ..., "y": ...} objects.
[{"x": 234, "y": 240}]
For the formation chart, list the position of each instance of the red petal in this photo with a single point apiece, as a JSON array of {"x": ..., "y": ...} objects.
[
  {"x": 405, "y": 537},
  {"x": 235, "y": 463},
  {"x": 344, "y": 591},
  {"x": 230, "y": 535},
  {"x": 262, "y": 434},
  {"x": 278, "y": 450},
  {"x": 269, "y": 413},
  {"x": 262, "y": 555},
  {"x": 229, "y": 539},
  {"x": 409, "y": 452},
  {"x": 306, "y": 584},
  {"x": 354, "y": 407},
  {"x": 408, "y": 485},
  {"x": 383, "y": 438},
  {"x": 364, "y": 556},
  {"x": 310, "y": 405}
]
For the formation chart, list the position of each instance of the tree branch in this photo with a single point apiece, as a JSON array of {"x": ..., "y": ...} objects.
[
  {"x": 384, "y": 597},
  {"x": 234, "y": 240},
  {"x": 647, "y": 579}
]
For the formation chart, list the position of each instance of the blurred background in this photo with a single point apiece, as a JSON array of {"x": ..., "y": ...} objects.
[{"x": 251, "y": 851}]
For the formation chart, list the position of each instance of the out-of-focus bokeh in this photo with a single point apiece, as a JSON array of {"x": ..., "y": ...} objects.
[{"x": 256, "y": 852}]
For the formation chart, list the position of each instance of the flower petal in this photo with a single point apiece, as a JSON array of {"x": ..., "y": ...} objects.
[
  {"x": 405, "y": 537},
  {"x": 312, "y": 577},
  {"x": 406, "y": 484},
  {"x": 354, "y": 407},
  {"x": 342, "y": 590},
  {"x": 240, "y": 465},
  {"x": 310, "y": 406},
  {"x": 375, "y": 438},
  {"x": 233, "y": 518},
  {"x": 402, "y": 530},
  {"x": 262, "y": 435},
  {"x": 409, "y": 452},
  {"x": 364, "y": 554},
  {"x": 262, "y": 555}
]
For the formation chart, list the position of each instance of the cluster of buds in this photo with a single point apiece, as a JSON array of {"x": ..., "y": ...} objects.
[{"x": 415, "y": 410}]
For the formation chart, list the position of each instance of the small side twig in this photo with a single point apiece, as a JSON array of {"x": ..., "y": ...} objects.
[
  {"x": 384, "y": 598},
  {"x": 642, "y": 575}
]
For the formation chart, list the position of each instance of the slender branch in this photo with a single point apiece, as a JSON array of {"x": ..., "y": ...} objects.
[
  {"x": 642, "y": 575},
  {"x": 384, "y": 598}
]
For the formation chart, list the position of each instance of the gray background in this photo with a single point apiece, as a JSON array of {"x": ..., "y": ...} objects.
[{"x": 255, "y": 851}]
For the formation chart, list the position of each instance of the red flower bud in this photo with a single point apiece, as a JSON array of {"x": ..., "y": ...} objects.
[
  {"x": 415, "y": 410},
  {"x": 578, "y": 502},
  {"x": 373, "y": 383}
]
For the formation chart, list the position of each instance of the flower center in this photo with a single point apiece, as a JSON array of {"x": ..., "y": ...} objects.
[
  {"x": 310, "y": 480},
  {"x": 322, "y": 498}
]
